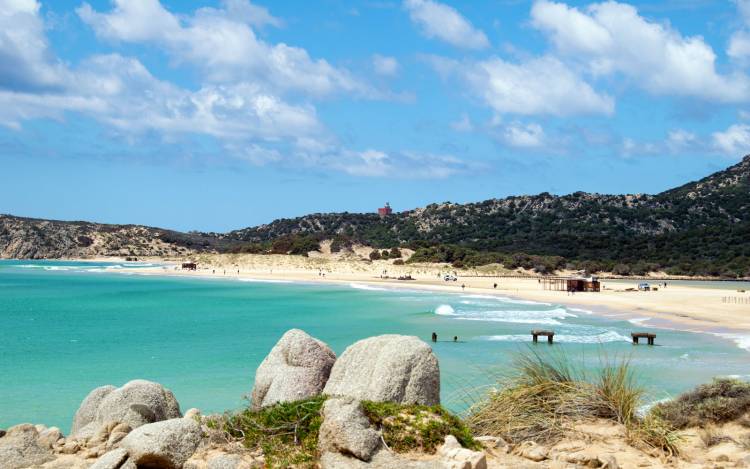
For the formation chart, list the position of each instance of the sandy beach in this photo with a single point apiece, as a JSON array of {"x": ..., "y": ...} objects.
[{"x": 679, "y": 306}]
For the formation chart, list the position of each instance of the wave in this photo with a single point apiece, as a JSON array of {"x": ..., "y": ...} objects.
[
  {"x": 503, "y": 299},
  {"x": 638, "y": 321},
  {"x": 742, "y": 341},
  {"x": 579, "y": 310},
  {"x": 362, "y": 286},
  {"x": 445, "y": 310},
  {"x": 260, "y": 280},
  {"x": 604, "y": 337}
]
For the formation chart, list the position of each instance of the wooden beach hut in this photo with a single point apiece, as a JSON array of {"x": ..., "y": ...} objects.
[{"x": 577, "y": 284}]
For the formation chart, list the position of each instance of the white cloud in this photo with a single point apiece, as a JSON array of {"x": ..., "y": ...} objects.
[
  {"x": 681, "y": 140},
  {"x": 538, "y": 86},
  {"x": 612, "y": 37},
  {"x": 221, "y": 43},
  {"x": 26, "y": 62},
  {"x": 524, "y": 136},
  {"x": 440, "y": 21},
  {"x": 735, "y": 141},
  {"x": 406, "y": 165},
  {"x": 384, "y": 65}
]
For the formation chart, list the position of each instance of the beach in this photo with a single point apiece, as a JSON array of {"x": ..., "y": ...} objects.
[{"x": 716, "y": 307}]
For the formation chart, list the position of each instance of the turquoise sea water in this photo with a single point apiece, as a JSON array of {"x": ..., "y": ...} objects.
[{"x": 67, "y": 327}]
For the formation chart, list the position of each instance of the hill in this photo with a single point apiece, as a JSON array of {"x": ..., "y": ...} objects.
[{"x": 700, "y": 228}]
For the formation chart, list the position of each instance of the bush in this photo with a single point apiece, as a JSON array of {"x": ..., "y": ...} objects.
[
  {"x": 375, "y": 255},
  {"x": 286, "y": 432},
  {"x": 720, "y": 401},
  {"x": 416, "y": 427},
  {"x": 395, "y": 252},
  {"x": 398, "y": 262}
]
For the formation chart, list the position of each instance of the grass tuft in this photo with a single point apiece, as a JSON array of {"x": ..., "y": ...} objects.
[
  {"x": 545, "y": 394},
  {"x": 287, "y": 432},
  {"x": 416, "y": 427},
  {"x": 720, "y": 401}
]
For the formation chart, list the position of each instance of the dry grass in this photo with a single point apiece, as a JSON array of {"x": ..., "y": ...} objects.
[
  {"x": 712, "y": 436},
  {"x": 722, "y": 400},
  {"x": 546, "y": 394}
]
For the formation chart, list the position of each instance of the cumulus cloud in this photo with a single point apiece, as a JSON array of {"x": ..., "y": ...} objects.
[
  {"x": 524, "y": 135},
  {"x": 613, "y": 38},
  {"x": 735, "y": 141},
  {"x": 26, "y": 62},
  {"x": 386, "y": 66},
  {"x": 247, "y": 117},
  {"x": 443, "y": 22},
  {"x": 222, "y": 44},
  {"x": 537, "y": 86}
]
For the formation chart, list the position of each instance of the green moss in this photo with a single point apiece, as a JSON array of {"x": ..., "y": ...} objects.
[
  {"x": 286, "y": 432},
  {"x": 415, "y": 427}
]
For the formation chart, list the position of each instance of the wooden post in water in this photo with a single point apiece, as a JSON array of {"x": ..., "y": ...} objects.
[
  {"x": 537, "y": 332},
  {"x": 643, "y": 335}
]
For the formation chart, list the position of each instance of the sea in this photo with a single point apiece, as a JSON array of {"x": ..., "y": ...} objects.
[{"x": 68, "y": 327}]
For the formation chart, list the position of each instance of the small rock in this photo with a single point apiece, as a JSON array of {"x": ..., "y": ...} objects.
[
  {"x": 192, "y": 414},
  {"x": 608, "y": 462},
  {"x": 167, "y": 444},
  {"x": 2, "y": 433},
  {"x": 455, "y": 456},
  {"x": 50, "y": 436},
  {"x": 111, "y": 460},
  {"x": 70, "y": 447},
  {"x": 228, "y": 461},
  {"x": 393, "y": 368},
  {"x": 136, "y": 403},
  {"x": 297, "y": 368},
  {"x": 20, "y": 447},
  {"x": 532, "y": 451},
  {"x": 346, "y": 429}
]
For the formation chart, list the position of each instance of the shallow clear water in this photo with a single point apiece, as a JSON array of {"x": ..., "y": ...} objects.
[{"x": 67, "y": 327}]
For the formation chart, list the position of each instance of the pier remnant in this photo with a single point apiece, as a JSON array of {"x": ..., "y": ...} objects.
[
  {"x": 537, "y": 332},
  {"x": 643, "y": 335}
]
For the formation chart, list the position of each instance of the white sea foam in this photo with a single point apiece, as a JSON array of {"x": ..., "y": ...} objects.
[
  {"x": 742, "y": 341},
  {"x": 362, "y": 286},
  {"x": 604, "y": 337},
  {"x": 638, "y": 321},
  {"x": 260, "y": 280},
  {"x": 579, "y": 310},
  {"x": 545, "y": 316},
  {"x": 505, "y": 299},
  {"x": 445, "y": 310}
]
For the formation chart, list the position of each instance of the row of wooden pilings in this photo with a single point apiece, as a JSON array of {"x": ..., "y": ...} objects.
[{"x": 551, "y": 336}]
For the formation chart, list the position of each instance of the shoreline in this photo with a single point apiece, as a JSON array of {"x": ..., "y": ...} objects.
[{"x": 678, "y": 307}]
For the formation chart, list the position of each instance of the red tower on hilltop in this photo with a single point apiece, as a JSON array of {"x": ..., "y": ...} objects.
[{"x": 385, "y": 211}]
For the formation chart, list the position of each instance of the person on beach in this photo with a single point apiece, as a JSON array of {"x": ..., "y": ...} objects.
[
  {"x": 463, "y": 286},
  {"x": 434, "y": 337},
  {"x": 494, "y": 285},
  {"x": 455, "y": 338}
]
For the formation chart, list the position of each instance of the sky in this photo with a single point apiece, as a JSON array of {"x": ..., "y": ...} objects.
[{"x": 217, "y": 115}]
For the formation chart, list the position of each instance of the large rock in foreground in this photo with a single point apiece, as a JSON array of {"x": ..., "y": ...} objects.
[
  {"x": 346, "y": 429},
  {"x": 164, "y": 445},
  {"x": 297, "y": 368},
  {"x": 136, "y": 403},
  {"x": 393, "y": 368},
  {"x": 20, "y": 447}
]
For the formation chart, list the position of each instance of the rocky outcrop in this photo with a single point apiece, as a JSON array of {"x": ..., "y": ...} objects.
[
  {"x": 393, "y": 368},
  {"x": 454, "y": 456},
  {"x": 297, "y": 368},
  {"x": 136, "y": 403},
  {"x": 20, "y": 447},
  {"x": 346, "y": 429},
  {"x": 163, "y": 445}
]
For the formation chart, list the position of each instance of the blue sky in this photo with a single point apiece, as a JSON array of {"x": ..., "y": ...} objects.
[{"x": 215, "y": 115}]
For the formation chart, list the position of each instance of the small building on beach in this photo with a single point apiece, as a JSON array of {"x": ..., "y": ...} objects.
[
  {"x": 189, "y": 266},
  {"x": 571, "y": 284}
]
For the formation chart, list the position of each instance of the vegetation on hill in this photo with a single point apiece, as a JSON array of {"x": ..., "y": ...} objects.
[{"x": 700, "y": 228}]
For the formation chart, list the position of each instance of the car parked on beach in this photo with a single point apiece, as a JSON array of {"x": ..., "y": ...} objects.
[{"x": 450, "y": 278}]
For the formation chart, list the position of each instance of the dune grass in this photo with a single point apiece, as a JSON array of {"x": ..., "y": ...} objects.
[
  {"x": 720, "y": 401},
  {"x": 545, "y": 394}
]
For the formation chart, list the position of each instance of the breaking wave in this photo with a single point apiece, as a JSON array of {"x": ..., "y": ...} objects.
[{"x": 604, "y": 337}]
